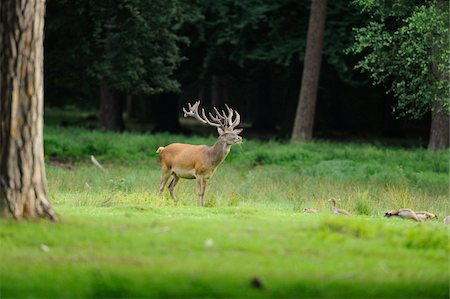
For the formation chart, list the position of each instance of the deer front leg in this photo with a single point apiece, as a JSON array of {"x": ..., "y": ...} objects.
[
  {"x": 172, "y": 185},
  {"x": 201, "y": 185}
]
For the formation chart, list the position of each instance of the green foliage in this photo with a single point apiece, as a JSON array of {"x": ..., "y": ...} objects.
[
  {"x": 405, "y": 45},
  {"x": 131, "y": 46},
  {"x": 252, "y": 34},
  {"x": 362, "y": 207},
  {"x": 234, "y": 199}
]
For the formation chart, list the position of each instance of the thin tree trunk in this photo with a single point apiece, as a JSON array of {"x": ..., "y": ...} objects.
[
  {"x": 304, "y": 118},
  {"x": 110, "y": 109},
  {"x": 132, "y": 108},
  {"x": 439, "y": 131},
  {"x": 218, "y": 91},
  {"x": 23, "y": 185}
]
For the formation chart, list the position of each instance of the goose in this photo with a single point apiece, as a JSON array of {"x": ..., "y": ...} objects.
[
  {"x": 403, "y": 213},
  {"x": 310, "y": 211},
  {"x": 338, "y": 211},
  {"x": 447, "y": 220},
  {"x": 422, "y": 215}
]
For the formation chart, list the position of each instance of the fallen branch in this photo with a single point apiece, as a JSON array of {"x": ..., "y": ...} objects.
[{"x": 96, "y": 163}]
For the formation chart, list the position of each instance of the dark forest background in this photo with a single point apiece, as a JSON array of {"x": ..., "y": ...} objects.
[{"x": 137, "y": 63}]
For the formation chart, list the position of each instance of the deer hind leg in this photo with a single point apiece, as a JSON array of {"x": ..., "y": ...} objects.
[
  {"x": 164, "y": 178},
  {"x": 172, "y": 185}
]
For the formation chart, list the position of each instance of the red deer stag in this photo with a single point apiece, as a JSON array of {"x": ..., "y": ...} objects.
[{"x": 199, "y": 162}]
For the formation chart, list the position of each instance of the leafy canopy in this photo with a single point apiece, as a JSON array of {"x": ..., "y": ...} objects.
[
  {"x": 248, "y": 33},
  {"x": 131, "y": 46},
  {"x": 405, "y": 45}
]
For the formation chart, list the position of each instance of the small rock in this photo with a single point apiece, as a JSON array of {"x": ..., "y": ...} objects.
[
  {"x": 209, "y": 243},
  {"x": 256, "y": 283},
  {"x": 44, "y": 248}
]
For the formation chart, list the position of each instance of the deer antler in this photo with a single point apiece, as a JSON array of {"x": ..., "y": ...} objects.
[
  {"x": 193, "y": 112},
  {"x": 220, "y": 120},
  {"x": 232, "y": 124}
]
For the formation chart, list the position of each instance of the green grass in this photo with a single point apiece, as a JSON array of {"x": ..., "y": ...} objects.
[
  {"x": 118, "y": 238},
  {"x": 148, "y": 251}
]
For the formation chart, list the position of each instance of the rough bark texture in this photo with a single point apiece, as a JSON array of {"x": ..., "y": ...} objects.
[
  {"x": 110, "y": 109},
  {"x": 439, "y": 132},
  {"x": 304, "y": 118},
  {"x": 23, "y": 186}
]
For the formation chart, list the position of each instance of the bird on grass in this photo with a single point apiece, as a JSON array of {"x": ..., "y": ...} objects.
[
  {"x": 422, "y": 215},
  {"x": 310, "y": 211},
  {"x": 403, "y": 213},
  {"x": 447, "y": 220},
  {"x": 336, "y": 210}
]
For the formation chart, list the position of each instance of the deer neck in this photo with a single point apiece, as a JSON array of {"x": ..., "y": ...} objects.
[{"x": 219, "y": 151}]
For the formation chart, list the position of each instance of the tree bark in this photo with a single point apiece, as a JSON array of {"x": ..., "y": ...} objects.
[
  {"x": 304, "y": 118},
  {"x": 110, "y": 109},
  {"x": 23, "y": 185},
  {"x": 439, "y": 131}
]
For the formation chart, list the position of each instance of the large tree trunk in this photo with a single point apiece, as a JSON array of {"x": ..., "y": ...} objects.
[
  {"x": 304, "y": 118},
  {"x": 23, "y": 186},
  {"x": 439, "y": 132},
  {"x": 110, "y": 109}
]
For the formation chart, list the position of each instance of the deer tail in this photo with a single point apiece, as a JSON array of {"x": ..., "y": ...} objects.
[{"x": 161, "y": 148}]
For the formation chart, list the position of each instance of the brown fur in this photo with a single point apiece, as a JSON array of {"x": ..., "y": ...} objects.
[
  {"x": 194, "y": 162},
  {"x": 199, "y": 161}
]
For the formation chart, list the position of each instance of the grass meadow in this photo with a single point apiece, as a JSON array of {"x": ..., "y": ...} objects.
[{"x": 117, "y": 238}]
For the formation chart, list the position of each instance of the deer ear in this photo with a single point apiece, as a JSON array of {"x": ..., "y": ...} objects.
[
  {"x": 220, "y": 131},
  {"x": 237, "y": 131}
]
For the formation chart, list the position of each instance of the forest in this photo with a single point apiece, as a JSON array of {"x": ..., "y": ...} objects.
[
  {"x": 224, "y": 149},
  {"x": 136, "y": 63}
]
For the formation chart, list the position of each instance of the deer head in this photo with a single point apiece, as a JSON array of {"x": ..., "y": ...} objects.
[{"x": 223, "y": 122}]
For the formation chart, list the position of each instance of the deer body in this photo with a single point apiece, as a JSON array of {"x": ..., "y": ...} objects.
[
  {"x": 188, "y": 161},
  {"x": 198, "y": 162}
]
